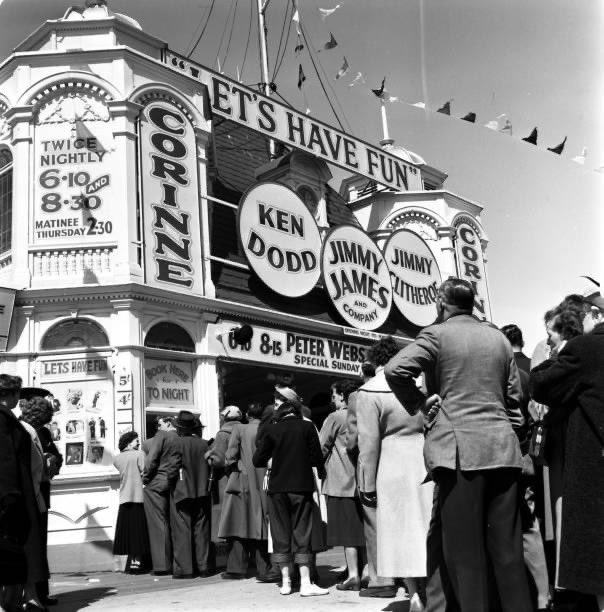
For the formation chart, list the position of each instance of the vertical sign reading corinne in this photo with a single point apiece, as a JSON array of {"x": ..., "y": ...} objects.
[
  {"x": 356, "y": 277},
  {"x": 472, "y": 268},
  {"x": 170, "y": 198}
]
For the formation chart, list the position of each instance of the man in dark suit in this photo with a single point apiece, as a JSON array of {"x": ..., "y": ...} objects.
[
  {"x": 514, "y": 334},
  {"x": 161, "y": 470},
  {"x": 471, "y": 448},
  {"x": 571, "y": 383},
  {"x": 190, "y": 504}
]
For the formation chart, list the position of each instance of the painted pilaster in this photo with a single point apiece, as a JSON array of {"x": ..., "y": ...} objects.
[{"x": 446, "y": 241}]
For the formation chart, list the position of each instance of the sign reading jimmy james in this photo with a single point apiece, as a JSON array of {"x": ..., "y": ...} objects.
[
  {"x": 169, "y": 186},
  {"x": 415, "y": 276},
  {"x": 234, "y": 101},
  {"x": 356, "y": 277},
  {"x": 280, "y": 239}
]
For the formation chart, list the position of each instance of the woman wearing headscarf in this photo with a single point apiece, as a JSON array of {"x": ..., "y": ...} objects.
[
  {"x": 344, "y": 512},
  {"x": 243, "y": 521},
  {"x": 131, "y": 535},
  {"x": 292, "y": 445}
]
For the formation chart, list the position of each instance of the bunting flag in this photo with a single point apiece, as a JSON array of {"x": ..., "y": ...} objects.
[
  {"x": 299, "y": 47},
  {"x": 380, "y": 92},
  {"x": 332, "y": 43},
  {"x": 301, "y": 77},
  {"x": 494, "y": 124},
  {"x": 343, "y": 70},
  {"x": 507, "y": 128},
  {"x": 419, "y": 105},
  {"x": 580, "y": 159},
  {"x": 327, "y": 12},
  {"x": 532, "y": 137},
  {"x": 471, "y": 117},
  {"x": 392, "y": 99},
  {"x": 445, "y": 109},
  {"x": 558, "y": 148},
  {"x": 296, "y": 20},
  {"x": 357, "y": 79}
]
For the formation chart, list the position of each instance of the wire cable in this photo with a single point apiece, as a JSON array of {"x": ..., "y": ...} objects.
[
  {"x": 226, "y": 25},
  {"x": 312, "y": 59},
  {"x": 247, "y": 43},
  {"x": 280, "y": 60},
  {"x": 281, "y": 40},
  {"x": 203, "y": 30},
  {"x": 226, "y": 53}
]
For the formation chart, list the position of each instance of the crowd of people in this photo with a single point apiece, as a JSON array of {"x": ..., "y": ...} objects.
[{"x": 457, "y": 467}]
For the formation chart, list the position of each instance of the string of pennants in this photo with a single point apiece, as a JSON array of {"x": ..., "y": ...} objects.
[{"x": 501, "y": 124}]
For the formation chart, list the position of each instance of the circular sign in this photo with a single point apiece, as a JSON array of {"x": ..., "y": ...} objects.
[
  {"x": 356, "y": 277},
  {"x": 280, "y": 239},
  {"x": 415, "y": 276}
]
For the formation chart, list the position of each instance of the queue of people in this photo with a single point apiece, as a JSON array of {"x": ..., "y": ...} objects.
[{"x": 457, "y": 467}]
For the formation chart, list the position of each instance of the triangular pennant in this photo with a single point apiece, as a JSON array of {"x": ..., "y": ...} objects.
[
  {"x": 419, "y": 105},
  {"x": 507, "y": 128},
  {"x": 358, "y": 78},
  {"x": 380, "y": 92},
  {"x": 471, "y": 117},
  {"x": 580, "y": 159},
  {"x": 299, "y": 47},
  {"x": 392, "y": 99},
  {"x": 296, "y": 20},
  {"x": 301, "y": 77},
  {"x": 327, "y": 12},
  {"x": 532, "y": 137},
  {"x": 558, "y": 148},
  {"x": 445, "y": 109},
  {"x": 332, "y": 43},
  {"x": 343, "y": 70}
]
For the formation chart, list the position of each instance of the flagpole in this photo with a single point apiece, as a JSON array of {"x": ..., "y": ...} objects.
[{"x": 264, "y": 85}]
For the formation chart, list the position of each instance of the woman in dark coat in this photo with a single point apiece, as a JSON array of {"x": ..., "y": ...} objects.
[
  {"x": 573, "y": 385},
  {"x": 292, "y": 444}
]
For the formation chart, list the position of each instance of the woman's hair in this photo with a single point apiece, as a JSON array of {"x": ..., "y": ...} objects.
[
  {"x": 255, "y": 410},
  {"x": 36, "y": 411},
  {"x": 288, "y": 407},
  {"x": 383, "y": 351},
  {"x": 125, "y": 439},
  {"x": 568, "y": 324}
]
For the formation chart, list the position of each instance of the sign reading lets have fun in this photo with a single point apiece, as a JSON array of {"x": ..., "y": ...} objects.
[
  {"x": 356, "y": 277},
  {"x": 415, "y": 276},
  {"x": 280, "y": 239}
]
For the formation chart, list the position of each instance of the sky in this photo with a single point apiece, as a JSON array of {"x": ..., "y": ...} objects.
[{"x": 538, "y": 61}]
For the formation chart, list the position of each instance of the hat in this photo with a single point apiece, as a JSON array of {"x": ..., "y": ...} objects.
[
  {"x": 231, "y": 413},
  {"x": 185, "y": 420},
  {"x": 595, "y": 300},
  {"x": 288, "y": 393},
  {"x": 27, "y": 393}
]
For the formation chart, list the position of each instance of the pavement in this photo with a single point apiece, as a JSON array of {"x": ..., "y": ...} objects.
[{"x": 116, "y": 591}]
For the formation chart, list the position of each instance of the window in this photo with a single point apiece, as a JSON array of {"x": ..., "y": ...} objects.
[
  {"x": 170, "y": 337},
  {"x": 6, "y": 200},
  {"x": 75, "y": 333}
]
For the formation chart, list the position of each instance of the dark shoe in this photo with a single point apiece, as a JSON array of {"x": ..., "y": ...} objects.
[
  {"x": 387, "y": 592},
  {"x": 50, "y": 601},
  {"x": 32, "y": 607},
  {"x": 269, "y": 578},
  {"x": 182, "y": 576},
  {"x": 232, "y": 576},
  {"x": 206, "y": 573},
  {"x": 352, "y": 584},
  {"x": 161, "y": 572}
]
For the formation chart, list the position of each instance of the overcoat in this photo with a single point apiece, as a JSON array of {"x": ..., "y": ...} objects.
[
  {"x": 573, "y": 385},
  {"x": 391, "y": 464},
  {"x": 244, "y": 509}
]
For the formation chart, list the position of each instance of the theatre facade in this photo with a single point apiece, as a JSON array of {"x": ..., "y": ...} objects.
[{"x": 170, "y": 239}]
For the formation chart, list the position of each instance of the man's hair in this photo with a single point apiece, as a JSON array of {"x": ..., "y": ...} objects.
[
  {"x": 367, "y": 369},
  {"x": 345, "y": 387},
  {"x": 125, "y": 439},
  {"x": 568, "y": 323},
  {"x": 383, "y": 351},
  {"x": 166, "y": 419},
  {"x": 255, "y": 410},
  {"x": 457, "y": 292},
  {"x": 10, "y": 384},
  {"x": 514, "y": 334},
  {"x": 36, "y": 411}
]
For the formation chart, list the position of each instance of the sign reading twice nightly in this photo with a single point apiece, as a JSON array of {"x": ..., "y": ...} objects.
[
  {"x": 356, "y": 277},
  {"x": 415, "y": 276},
  {"x": 280, "y": 239}
]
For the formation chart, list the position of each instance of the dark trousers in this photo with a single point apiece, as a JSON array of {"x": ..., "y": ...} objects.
[
  {"x": 42, "y": 588},
  {"x": 241, "y": 550},
  {"x": 157, "y": 513},
  {"x": 480, "y": 520},
  {"x": 190, "y": 526},
  {"x": 290, "y": 517}
]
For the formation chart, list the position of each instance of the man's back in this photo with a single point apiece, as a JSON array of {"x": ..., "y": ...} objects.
[
  {"x": 471, "y": 366},
  {"x": 193, "y": 475}
]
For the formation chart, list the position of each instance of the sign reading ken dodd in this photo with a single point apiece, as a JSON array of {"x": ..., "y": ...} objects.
[
  {"x": 356, "y": 277},
  {"x": 280, "y": 239}
]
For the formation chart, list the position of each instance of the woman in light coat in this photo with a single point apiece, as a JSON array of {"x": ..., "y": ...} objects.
[{"x": 243, "y": 520}]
